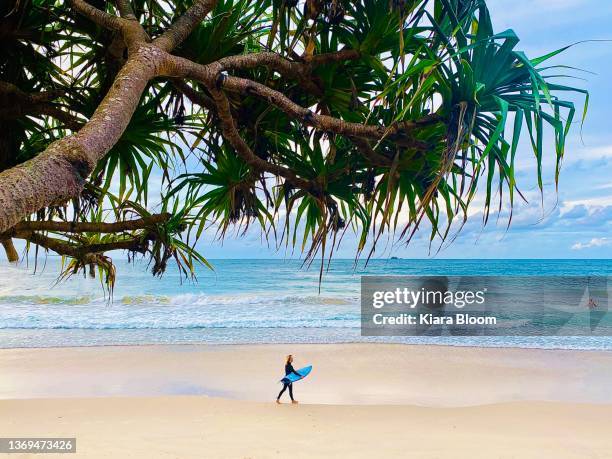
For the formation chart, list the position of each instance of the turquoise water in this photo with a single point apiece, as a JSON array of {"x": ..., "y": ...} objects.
[{"x": 242, "y": 301}]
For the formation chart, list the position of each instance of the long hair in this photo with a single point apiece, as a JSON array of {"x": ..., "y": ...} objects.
[{"x": 288, "y": 359}]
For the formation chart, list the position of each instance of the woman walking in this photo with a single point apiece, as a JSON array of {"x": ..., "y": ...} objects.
[{"x": 286, "y": 382}]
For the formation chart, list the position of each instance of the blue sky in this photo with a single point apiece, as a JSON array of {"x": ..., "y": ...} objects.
[{"x": 576, "y": 222}]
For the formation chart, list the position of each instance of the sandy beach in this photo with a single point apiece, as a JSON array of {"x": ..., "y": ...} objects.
[{"x": 362, "y": 400}]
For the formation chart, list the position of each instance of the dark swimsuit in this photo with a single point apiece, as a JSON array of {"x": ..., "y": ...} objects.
[{"x": 286, "y": 383}]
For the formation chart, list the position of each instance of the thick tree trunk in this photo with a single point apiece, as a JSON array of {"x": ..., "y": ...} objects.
[{"x": 58, "y": 174}]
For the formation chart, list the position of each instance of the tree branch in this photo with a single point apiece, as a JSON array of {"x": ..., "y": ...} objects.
[
  {"x": 183, "y": 27},
  {"x": 195, "y": 97},
  {"x": 89, "y": 227},
  {"x": 366, "y": 150},
  {"x": 398, "y": 132},
  {"x": 284, "y": 65},
  {"x": 132, "y": 31},
  {"x": 99, "y": 17},
  {"x": 16, "y": 103},
  {"x": 85, "y": 253},
  {"x": 69, "y": 120},
  {"x": 10, "y": 91},
  {"x": 231, "y": 134},
  {"x": 11, "y": 252},
  {"x": 329, "y": 58},
  {"x": 125, "y": 9},
  {"x": 300, "y": 71}
]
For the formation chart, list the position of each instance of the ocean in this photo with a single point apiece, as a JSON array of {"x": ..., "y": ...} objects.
[{"x": 241, "y": 301}]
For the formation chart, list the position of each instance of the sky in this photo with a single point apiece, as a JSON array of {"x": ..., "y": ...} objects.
[{"x": 576, "y": 221}]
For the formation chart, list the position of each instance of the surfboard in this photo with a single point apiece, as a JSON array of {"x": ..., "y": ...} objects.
[{"x": 293, "y": 377}]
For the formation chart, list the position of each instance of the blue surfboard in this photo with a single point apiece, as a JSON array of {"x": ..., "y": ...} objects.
[{"x": 293, "y": 377}]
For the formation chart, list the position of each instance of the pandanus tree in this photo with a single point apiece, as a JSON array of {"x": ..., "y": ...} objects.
[{"x": 138, "y": 124}]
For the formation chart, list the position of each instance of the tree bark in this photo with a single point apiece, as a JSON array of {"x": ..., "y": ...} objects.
[{"x": 184, "y": 25}]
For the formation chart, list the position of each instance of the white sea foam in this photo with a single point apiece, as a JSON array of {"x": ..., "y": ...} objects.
[{"x": 241, "y": 302}]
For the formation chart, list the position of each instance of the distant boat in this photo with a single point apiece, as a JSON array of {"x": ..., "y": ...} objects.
[{"x": 393, "y": 258}]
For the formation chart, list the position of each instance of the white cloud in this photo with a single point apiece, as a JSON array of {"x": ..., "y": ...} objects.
[
  {"x": 598, "y": 201},
  {"x": 595, "y": 242},
  {"x": 601, "y": 152}
]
